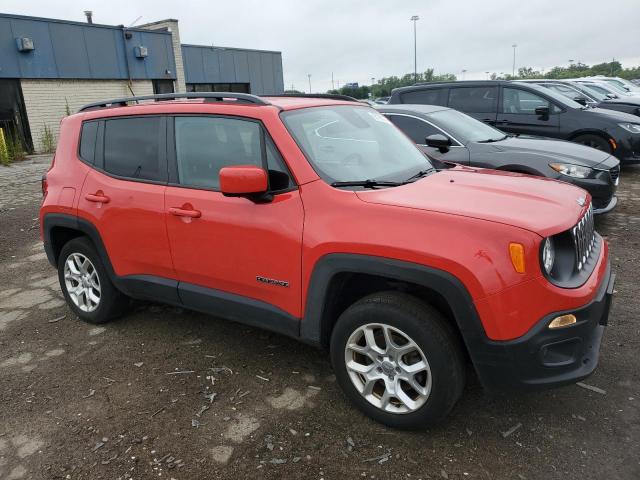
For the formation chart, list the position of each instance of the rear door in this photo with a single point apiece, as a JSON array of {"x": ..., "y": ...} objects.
[
  {"x": 517, "y": 113},
  {"x": 417, "y": 129},
  {"x": 479, "y": 102},
  {"x": 123, "y": 195}
]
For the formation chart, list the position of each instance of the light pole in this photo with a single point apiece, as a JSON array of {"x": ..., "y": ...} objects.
[
  {"x": 333, "y": 87},
  {"x": 463, "y": 72},
  {"x": 371, "y": 89},
  {"x": 487, "y": 75},
  {"x": 309, "y": 75},
  {"x": 415, "y": 19},
  {"x": 513, "y": 70}
]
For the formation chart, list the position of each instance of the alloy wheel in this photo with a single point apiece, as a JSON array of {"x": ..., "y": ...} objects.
[
  {"x": 388, "y": 368},
  {"x": 82, "y": 282}
]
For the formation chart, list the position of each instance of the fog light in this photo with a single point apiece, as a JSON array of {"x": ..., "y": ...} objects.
[{"x": 563, "y": 321}]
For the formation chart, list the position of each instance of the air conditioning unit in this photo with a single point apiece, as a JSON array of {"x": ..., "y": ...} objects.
[
  {"x": 25, "y": 44},
  {"x": 140, "y": 51}
]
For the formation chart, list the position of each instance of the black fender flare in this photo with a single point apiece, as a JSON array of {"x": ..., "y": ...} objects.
[
  {"x": 315, "y": 325},
  {"x": 52, "y": 220}
]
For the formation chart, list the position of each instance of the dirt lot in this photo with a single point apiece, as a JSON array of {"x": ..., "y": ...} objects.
[{"x": 173, "y": 394}]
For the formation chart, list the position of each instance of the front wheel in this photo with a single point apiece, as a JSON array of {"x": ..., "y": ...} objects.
[{"x": 398, "y": 360}]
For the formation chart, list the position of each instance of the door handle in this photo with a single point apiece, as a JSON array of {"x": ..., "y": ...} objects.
[
  {"x": 181, "y": 212},
  {"x": 97, "y": 197}
]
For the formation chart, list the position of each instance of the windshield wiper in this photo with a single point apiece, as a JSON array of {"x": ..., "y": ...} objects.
[
  {"x": 420, "y": 174},
  {"x": 366, "y": 183},
  {"x": 492, "y": 140}
]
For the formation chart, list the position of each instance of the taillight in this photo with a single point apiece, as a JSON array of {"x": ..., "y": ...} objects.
[{"x": 43, "y": 184}]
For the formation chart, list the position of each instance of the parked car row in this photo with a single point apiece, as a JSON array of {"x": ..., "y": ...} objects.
[{"x": 532, "y": 109}]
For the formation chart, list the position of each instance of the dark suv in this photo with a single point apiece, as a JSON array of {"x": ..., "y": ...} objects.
[{"x": 534, "y": 110}]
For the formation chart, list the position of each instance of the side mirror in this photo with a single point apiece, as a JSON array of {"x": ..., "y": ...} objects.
[
  {"x": 244, "y": 181},
  {"x": 580, "y": 100},
  {"x": 439, "y": 141},
  {"x": 611, "y": 96},
  {"x": 542, "y": 111}
]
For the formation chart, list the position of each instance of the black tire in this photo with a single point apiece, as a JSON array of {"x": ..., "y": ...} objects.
[
  {"x": 112, "y": 304},
  {"x": 594, "y": 141},
  {"x": 429, "y": 330}
]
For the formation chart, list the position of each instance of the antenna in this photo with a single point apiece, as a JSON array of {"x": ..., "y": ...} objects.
[{"x": 134, "y": 22}]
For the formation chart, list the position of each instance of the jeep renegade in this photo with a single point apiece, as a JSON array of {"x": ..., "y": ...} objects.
[{"x": 318, "y": 219}]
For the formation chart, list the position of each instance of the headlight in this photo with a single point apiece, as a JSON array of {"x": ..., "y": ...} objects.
[
  {"x": 570, "y": 170},
  {"x": 630, "y": 127},
  {"x": 548, "y": 255}
]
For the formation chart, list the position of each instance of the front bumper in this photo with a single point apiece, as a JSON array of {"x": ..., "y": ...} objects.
[
  {"x": 544, "y": 358},
  {"x": 606, "y": 208},
  {"x": 602, "y": 189}
]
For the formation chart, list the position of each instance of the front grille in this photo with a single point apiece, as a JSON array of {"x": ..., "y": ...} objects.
[
  {"x": 615, "y": 174},
  {"x": 584, "y": 238}
]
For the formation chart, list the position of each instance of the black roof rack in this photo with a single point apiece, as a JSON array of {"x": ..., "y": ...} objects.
[
  {"x": 330, "y": 96},
  {"x": 207, "y": 96}
]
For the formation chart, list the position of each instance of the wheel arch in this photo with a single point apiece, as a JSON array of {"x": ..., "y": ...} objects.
[
  {"x": 59, "y": 228},
  {"x": 338, "y": 280}
]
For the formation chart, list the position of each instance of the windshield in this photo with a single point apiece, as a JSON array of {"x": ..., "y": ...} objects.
[
  {"x": 347, "y": 143},
  {"x": 593, "y": 92},
  {"x": 616, "y": 88},
  {"x": 561, "y": 99},
  {"x": 465, "y": 128}
]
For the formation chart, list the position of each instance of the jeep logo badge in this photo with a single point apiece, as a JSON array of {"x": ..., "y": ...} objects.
[{"x": 581, "y": 201}]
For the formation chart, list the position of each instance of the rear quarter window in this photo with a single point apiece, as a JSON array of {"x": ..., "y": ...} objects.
[{"x": 88, "y": 141}]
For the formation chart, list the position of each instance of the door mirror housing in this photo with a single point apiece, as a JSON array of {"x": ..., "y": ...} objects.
[
  {"x": 542, "y": 111},
  {"x": 580, "y": 100},
  {"x": 439, "y": 141},
  {"x": 244, "y": 181}
]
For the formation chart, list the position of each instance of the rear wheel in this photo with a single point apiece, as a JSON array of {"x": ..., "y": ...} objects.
[
  {"x": 85, "y": 284},
  {"x": 594, "y": 141},
  {"x": 397, "y": 360}
]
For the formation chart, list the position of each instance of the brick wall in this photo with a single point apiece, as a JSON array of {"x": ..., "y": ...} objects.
[
  {"x": 46, "y": 100},
  {"x": 172, "y": 26}
]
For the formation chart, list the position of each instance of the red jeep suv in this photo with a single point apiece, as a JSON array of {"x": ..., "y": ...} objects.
[{"x": 318, "y": 219}]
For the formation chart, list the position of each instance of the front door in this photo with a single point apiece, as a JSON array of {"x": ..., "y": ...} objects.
[
  {"x": 231, "y": 245},
  {"x": 517, "y": 114}
]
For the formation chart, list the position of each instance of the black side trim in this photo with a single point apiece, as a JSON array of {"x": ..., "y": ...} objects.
[
  {"x": 238, "y": 309},
  {"x": 316, "y": 327},
  {"x": 149, "y": 287}
]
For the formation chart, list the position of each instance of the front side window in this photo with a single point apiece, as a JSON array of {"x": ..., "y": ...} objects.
[
  {"x": 522, "y": 102},
  {"x": 132, "y": 148},
  {"x": 351, "y": 143},
  {"x": 474, "y": 99},
  {"x": 417, "y": 130},
  {"x": 205, "y": 145}
]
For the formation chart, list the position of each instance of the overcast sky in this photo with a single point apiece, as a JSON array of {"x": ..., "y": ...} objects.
[{"x": 374, "y": 38}]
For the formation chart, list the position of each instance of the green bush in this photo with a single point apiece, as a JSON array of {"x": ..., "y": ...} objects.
[{"x": 48, "y": 140}]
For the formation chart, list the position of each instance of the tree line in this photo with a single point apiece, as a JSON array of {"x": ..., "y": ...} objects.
[{"x": 383, "y": 87}]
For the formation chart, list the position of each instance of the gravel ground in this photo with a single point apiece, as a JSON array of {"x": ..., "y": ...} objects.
[{"x": 174, "y": 394}]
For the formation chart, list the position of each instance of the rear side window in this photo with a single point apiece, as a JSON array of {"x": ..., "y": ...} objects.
[
  {"x": 88, "y": 141},
  {"x": 428, "y": 96},
  {"x": 133, "y": 148},
  {"x": 474, "y": 99}
]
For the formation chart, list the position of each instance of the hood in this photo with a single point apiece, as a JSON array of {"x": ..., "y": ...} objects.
[
  {"x": 523, "y": 147},
  {"x": 540, "y": 205},
  {"x": 613, "y": 115}
]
